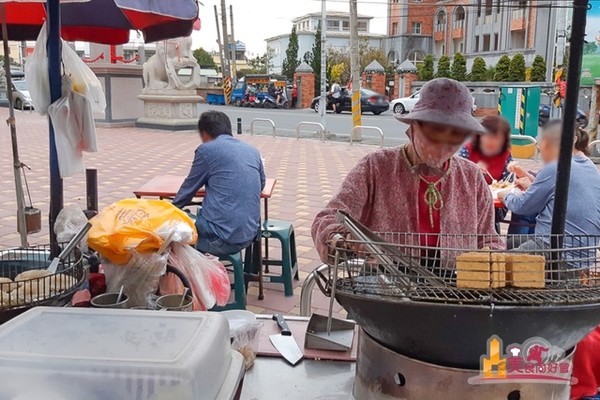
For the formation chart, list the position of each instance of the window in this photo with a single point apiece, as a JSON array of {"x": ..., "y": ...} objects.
[
  {"x": 346, "y": 25},
  {"x": 498, "y": 6},
  {"x": 496, "y": 42},
  {"x": 333, "y": 25},
  {"x": 394, "y": 29},
  {"x": 476, "y": 44},
  {"x": 440, "y": 21},
  {"x": 522, "y": 3},
  {"x": 362, "y": 26},
  {"x": 479, "y": 8},
  {"x": 416, "y": 28},
  {"x": 489, "y": 7},
  {"x": 486, "y": 43}
]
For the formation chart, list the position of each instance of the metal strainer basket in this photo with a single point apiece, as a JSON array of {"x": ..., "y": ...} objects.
[{"x": 35, "y": 290}]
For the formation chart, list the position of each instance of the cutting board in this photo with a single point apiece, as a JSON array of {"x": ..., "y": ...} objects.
[{"x": 298, "y": 328}]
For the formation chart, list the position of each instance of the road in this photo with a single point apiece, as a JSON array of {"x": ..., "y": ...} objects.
[{"x": 339, "y": 125}]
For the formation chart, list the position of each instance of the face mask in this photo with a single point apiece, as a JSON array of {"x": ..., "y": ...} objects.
[{"x": 431, "y": 156}]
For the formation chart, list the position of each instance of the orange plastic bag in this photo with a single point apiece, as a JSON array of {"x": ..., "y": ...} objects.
[{"x": 140, "y": 225}]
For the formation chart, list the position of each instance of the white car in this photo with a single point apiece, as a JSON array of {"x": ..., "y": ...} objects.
[{"x": 406, "y": 104}]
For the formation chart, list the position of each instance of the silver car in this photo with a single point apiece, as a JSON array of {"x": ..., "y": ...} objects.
[{"x": 21, "y": 96}]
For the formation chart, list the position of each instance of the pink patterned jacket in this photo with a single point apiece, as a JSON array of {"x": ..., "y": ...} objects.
[{"x": 382, "y": 193}]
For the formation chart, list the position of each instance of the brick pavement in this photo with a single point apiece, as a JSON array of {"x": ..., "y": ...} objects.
[{"x": 308, "y": 173}]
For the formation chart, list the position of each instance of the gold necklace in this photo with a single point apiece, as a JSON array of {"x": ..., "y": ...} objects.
[{"x": 433, "y": 197}]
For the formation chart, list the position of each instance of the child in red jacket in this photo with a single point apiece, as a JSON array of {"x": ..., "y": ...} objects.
[{"x": 586, "y": 367}]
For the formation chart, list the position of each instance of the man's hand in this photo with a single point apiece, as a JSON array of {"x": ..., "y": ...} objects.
[
  {"x": 523, "y": 183},
  {"x": 502, "y": 195}
]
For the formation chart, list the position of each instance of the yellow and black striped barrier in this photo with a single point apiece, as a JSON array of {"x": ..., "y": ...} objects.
[
  {"x": 356, "y": 113},
  {"x": 227, "y": 89},
  {"x": 522, "y": 112}
]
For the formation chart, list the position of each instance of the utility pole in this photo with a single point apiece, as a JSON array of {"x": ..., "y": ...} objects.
[
  {"x": 234, "y": 50},
  {"x": 221, "y": 56},
  {"x": 323, "y": 101},
  {"x": 355, "y": 70},
  {"x": 227, "y": 71}
]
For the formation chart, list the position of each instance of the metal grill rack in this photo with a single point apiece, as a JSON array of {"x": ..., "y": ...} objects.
[
  {"x": 51, "y": 289},
  {"x": 466, "y": 269}
]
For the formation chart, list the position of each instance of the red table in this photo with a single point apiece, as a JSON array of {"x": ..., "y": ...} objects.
[{"x": 167, "y": 186}]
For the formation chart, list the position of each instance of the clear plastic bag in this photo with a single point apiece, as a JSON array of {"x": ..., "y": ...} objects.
[
  {"x": 84, "y": 80},
  {"x": 139, "y": 277},
  {"x": 36, "y": 72},
  {"x": 208, "y": 277},
  {"x": 245, "y": 341},
  {"x": 68, "y": 223}
]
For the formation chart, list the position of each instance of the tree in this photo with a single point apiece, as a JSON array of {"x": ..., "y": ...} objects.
[
  {"x": 443, "y": 70},
  {"x": 204, "y": 58},
  {"x": 517, "y": 69},
  {"x": 491, "y": 72},
  {"x": 589, "y": 47},
  {"x": 290, "y": 63},
  {"x": 502, "y": 73},
  {"x": 425, "y": 70},
  {"x": 316, "y": 60},
  {"x": 479, "y": 71},
  {"x": 261, "y": 64},
  {"x": 538, "y": 69},
  {"x": 459, "y": 67}
]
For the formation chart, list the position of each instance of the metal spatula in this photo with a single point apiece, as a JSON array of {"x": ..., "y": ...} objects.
[{"x": 68, "y": 248}]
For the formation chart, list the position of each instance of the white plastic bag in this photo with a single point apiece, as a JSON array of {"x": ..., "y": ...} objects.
[
  {"x": 84, "y": 80},
  {"x": 68, "y": 223},
  {"x": 36, "y": 72},
  {"x": 75, "y": 129}
]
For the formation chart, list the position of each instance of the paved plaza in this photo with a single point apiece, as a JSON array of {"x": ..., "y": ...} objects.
[{"x": 308, "y": 173}]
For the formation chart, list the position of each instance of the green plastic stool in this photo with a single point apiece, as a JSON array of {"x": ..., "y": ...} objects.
[
  {"x": 239, "y": 283},
  {"x": 284, "y": 232}
]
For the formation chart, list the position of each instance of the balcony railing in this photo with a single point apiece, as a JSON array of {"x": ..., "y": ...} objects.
[
  {"x": 518, "y": 13},
  {"x": 459, "y": 24},
  {"x": 440, "y": 27}
]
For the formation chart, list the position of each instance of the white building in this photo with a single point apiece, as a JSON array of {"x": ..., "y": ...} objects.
[{"x": 338, "y": 35}]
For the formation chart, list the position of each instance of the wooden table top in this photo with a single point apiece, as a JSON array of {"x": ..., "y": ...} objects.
[{"x": 168, "y": 185}]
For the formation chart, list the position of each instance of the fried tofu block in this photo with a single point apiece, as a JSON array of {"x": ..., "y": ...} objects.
[
  {"x": 525, "y": 271},
  {"x": 498, "y": 270},
  {"x": 473, "y": 270}
]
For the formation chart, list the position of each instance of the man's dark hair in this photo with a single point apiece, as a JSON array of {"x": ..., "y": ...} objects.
[{"x": 214, "y": 124}]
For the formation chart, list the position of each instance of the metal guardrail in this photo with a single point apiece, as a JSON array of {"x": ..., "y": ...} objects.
[
  {"x": 303, "y": 123},
  {"x": 270, "y": 121},
  {"x": 372, "y": 128},
  {"x": 593, "y": 144},
  {"x": 307, "y": 290}
]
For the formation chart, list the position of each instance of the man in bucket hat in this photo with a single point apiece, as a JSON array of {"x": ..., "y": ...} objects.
[{"x": 421, "y": 187}]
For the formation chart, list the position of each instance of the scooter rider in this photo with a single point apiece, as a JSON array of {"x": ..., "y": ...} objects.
[{"x": 274, "y": 93}]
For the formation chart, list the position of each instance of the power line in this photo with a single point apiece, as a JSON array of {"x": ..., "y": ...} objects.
[{"x": 505, "y": 4}]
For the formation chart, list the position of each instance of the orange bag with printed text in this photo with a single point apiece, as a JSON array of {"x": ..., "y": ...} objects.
[{"x": 140, "y": 225}]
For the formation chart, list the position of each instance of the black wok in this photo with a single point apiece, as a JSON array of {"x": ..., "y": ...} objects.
[{"x": 456, "y": 335}]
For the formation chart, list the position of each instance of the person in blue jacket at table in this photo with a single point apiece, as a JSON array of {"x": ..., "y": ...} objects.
[
  {"x": 583, "y": 208},
  {"x": 233, "y": 175}
]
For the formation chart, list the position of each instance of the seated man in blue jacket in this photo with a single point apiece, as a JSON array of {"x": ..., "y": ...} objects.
[
  {"x": 232, "y": 173},
  {"x": 583, "y": 208}
]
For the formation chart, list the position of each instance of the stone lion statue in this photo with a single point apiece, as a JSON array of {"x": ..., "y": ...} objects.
[{"x": 160, "y": 72}]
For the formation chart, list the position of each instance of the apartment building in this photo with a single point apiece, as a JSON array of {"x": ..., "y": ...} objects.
[
  {"x": 476, "y": 28},
  {"x": 338, "y": 35}
]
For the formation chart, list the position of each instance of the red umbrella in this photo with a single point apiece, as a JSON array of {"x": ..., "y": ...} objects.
[{"x": 99, "y": 21}]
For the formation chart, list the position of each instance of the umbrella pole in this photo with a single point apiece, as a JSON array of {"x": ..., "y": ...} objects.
[
  {"x": 54, "y": 70},
  {"x": 563, "y": 175},
  {"x": 22, "y": 226}
]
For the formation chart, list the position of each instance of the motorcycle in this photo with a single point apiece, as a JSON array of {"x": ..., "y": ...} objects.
[{"x": 270, "y": 101}]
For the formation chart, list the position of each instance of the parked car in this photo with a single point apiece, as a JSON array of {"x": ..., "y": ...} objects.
[
  {"x": 21, "y": 96},
  {"x": 370, "y": 101},
  {"x": 406, "y": 104},
  {"x": 582, "y": 118}
]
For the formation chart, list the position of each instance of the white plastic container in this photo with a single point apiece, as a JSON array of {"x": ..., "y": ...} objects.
[{"x": 101, "y": 354}]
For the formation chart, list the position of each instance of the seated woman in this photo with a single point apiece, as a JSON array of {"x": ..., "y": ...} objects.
[
  {"x": 491, "y": 153},
  {"x": 421, "y": 187}
]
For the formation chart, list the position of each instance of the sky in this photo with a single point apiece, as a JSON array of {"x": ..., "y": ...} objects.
[{"x": 256, "y": 20}]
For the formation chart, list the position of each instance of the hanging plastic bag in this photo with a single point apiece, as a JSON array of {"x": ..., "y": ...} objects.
[
  {"x": 208, "y": 277},
  {"x": 84, "y": 80},
  {"x": 73, "y": 122},
  {"x": 68, "y": 223},
  {"x": 36, "y": 72},
  {"x": 140, "y": 225}
]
